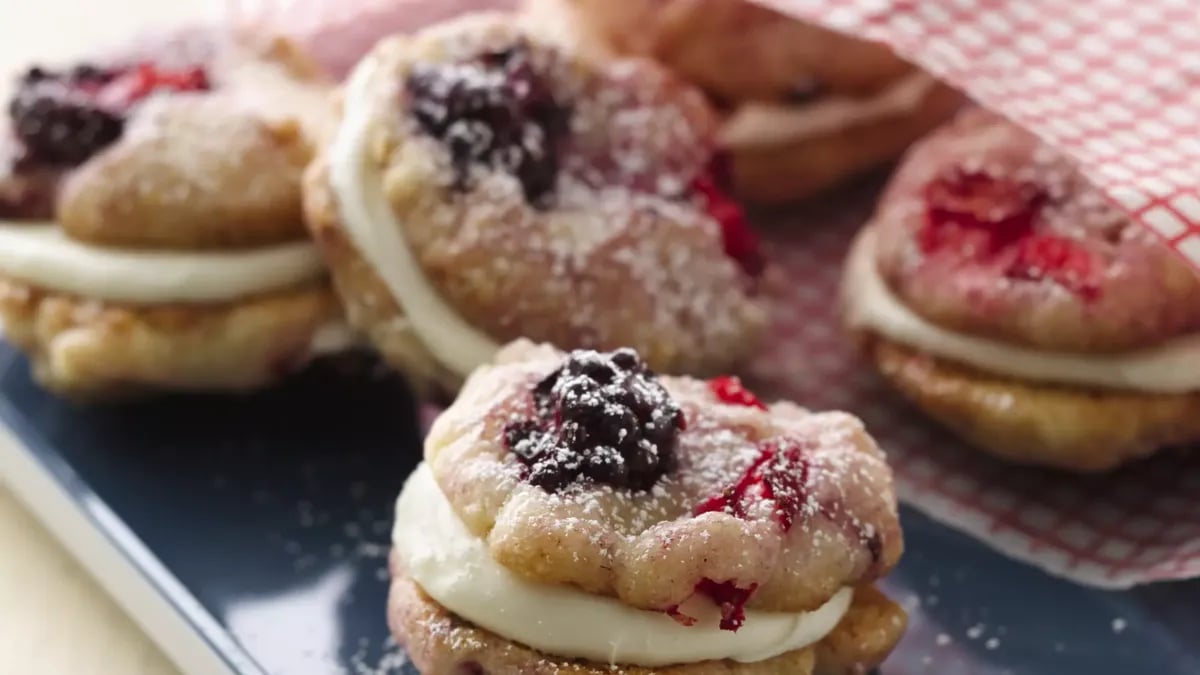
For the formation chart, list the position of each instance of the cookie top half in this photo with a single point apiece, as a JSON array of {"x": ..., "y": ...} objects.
[
  {"x": 534, "y": 193},
  {"x": 193, "y": 141},
  {"x": 586, "y": 469},
  {"x": 986, "y": 230}
]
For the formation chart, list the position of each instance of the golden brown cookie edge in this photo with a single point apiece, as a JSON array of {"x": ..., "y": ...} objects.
[
  {"x": 438, "y": 642},
  {"x": 91, "y": 350},
  {"x": 1072, "y": 428}
]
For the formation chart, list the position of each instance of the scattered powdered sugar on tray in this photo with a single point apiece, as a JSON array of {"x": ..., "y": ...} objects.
[{"x": 391, "y": 662}]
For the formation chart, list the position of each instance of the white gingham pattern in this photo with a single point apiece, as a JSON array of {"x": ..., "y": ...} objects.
[{"x": 1114, "y": 84}]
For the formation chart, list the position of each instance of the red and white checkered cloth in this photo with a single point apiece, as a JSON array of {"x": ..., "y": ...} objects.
[{"x": 1114, "y": 84}]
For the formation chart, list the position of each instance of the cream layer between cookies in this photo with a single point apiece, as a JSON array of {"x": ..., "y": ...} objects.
[
  {"x": 759, "y": 124},
  {"x": 1169, "y": 368},
  {"x": 457, "y": 571},
  {"x": 42, "y": 255},
  {"x": 378, "y": 236},
  {"x": 753, "y": 124}
]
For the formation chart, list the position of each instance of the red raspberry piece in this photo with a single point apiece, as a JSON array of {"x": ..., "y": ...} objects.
[
  {"x": 977, "y": 214},
  {"x": 146, "y": 78},
  {"x": 729, "y": 598},
  {"x": 779, "y": 474},
  {"x": 1057, "y": 259},
  {"x": 729, "y": 389},
  {"x": 64, "y": 118},
  {"x": 740, "y": 240}
]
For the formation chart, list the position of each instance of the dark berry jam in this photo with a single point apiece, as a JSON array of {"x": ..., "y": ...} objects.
[
  {"x": 740, "y": 241},
  {"x": 975, "y": 214},
  {"x": 63, "y": 118},
  {"x": 729, "y": 390},
  {"x": 600, "y": 416},
  {"x": 777, "y": 479},
  {"x": 496, "y": 110}
]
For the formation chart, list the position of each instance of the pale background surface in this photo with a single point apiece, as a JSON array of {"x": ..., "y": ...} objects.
[{"x": 53, "y": 618}]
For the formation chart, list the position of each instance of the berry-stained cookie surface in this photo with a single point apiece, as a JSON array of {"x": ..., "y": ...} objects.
[
  {"x": 150, "y": 217},
  {"x": 484, "y": 185},
  {"x": 987, "y": 231},
  {"x": 771, "y": 507},
  {"x": 998, "y": 289},
  {"x": 616, "y": 518}
]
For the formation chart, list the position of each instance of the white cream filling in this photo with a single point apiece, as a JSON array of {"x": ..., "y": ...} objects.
[
  {"x": 42, "y": 255},
  {"x": 756, "y": 124},
  {"x": 456, "y": 569},
  {"x": 377, "y": 235},
  {"x": 1169, "y": 368}
]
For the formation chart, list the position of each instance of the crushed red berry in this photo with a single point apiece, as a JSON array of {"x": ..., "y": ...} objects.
[
  {"x": 976, "y": 214},
  {"x": 979, "y": 216},
  {"x": 778, "y": 475},
  {"x": 497, "y": 110},
  {"x": 1058, "y": 259},
  {"x": 63, "y": 118},
  {"x": 729, "y": 389},
  {"x": 740, "y": 241},
  {"x": 600, "y": 416},
  {"x": 146, "y": 78},
  {"x": 728, "y": 597}
]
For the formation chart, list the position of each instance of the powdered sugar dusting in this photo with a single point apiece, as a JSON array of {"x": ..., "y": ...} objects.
[
  {"x": 621, "y": 240},
  {"x": 1098, "y": 281},
  {"x": 829, "y": 489}
]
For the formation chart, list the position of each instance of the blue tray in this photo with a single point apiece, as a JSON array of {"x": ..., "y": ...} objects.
[{"x": 249, "y": 535}]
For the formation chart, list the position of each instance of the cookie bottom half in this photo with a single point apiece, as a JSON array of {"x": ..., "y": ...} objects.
[
  {"x": 441, "y": 643},
  {"x": 88, "y": 349},
  {"x": 1065, "y": 427}
]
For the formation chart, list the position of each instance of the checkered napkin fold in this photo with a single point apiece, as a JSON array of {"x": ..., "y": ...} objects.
[{"x": 1113, "y": 84}]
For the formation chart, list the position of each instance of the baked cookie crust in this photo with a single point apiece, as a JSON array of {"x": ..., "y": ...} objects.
[
  {"x": 441, "y": 643},
  {"x": 1072, "y": 428},
  {"x": 91, "y": 350}
]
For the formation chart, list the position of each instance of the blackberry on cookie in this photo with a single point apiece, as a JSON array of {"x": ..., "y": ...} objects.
[
  {"x": 483, "y": 185},
  {"x": 577, "y": 513},
  {"x": 152, "y": 236},
  {"x": 999, "y": 290}
]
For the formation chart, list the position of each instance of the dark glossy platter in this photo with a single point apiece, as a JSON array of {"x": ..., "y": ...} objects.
[{"x": 249, "y": 535}]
